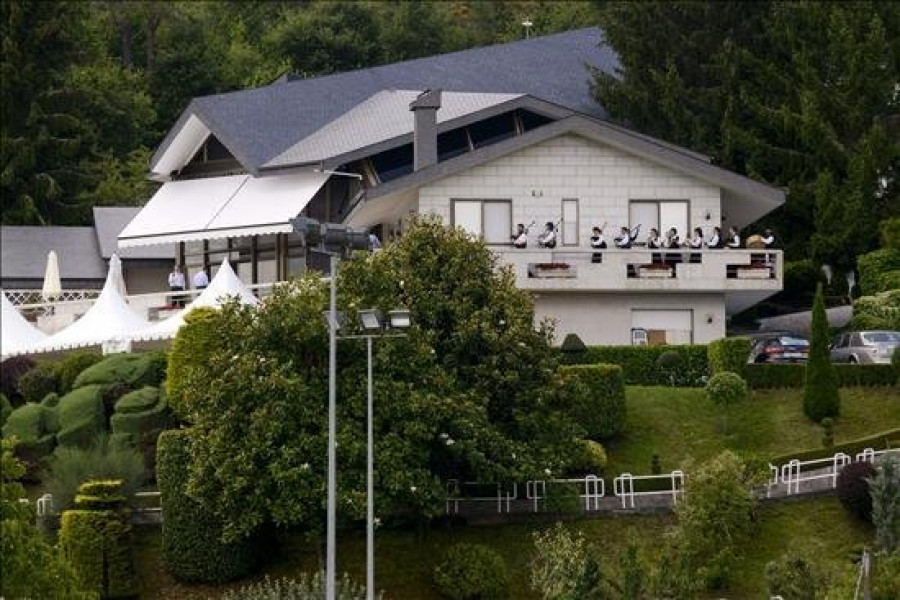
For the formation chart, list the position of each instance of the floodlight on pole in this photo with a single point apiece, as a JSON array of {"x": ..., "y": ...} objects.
[
  {"x": 399, "y": 319},
  {"x": 370, "y": 321}
]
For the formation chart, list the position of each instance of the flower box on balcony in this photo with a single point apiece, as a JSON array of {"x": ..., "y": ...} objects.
[
  {"x": 755, "y": 270},
  {"x": 551, "y": 270},
  {"x": 655, "y": 270}
]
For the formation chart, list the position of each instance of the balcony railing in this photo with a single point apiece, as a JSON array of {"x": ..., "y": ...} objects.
[{"x": 645, "y": 269}]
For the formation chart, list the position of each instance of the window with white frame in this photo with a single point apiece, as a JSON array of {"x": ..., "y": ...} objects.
[
  {"x": 661, "y": 215},
  {"x": 570, "y": 222},
  {"x": 488, "y": 219}
]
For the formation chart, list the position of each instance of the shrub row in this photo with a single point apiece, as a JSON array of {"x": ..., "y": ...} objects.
[
  {"x": 769, "y": 376},
  {"x": 595, "y": 396},
  {"x": 640, "y": 364},
  {"x": 879, "y": 441},
  {"x": 192, "y": 546}
]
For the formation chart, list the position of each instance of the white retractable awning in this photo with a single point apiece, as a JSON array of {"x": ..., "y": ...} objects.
[{"x": 220, "y": 207}]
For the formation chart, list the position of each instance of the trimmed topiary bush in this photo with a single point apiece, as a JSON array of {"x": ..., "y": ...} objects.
[
  {"x": 192, "y": 546},
  {"x": 195, "y": 338},
  {"x": 69, "y": 368},
  {"x": 728, "y": 354},
  {"x": 595, "y": 397},
  {"x": 141, "y": 415},
  {"x": 573, "y": 349},
  {"x": 35, "y": 427},
  {"x": 96, "y": 540},
  {"x": 134, "y": 370},
  {"x": 878, "y": 270},
  {"x": 472, "y": 572},
  {"x": 591, "y": 458},
  {"x": 11, "y": 370},
  {"x": 82, "y": 417},
  {"x": 853, "y": 489},
  {"x": 820, "y": 396},
  {"x": 38, "y": 382},
  {"x": 725, "y": 389}
]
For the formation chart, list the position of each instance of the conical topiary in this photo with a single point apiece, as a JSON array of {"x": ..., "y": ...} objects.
[{"x": 821, "y": 398}]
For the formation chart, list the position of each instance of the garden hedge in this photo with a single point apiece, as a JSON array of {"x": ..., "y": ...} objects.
[
  {"x": 640, "y": 367},
  {"x": 772, "y": 376},
  {"x": 595, "y": 397},
  {"x": 134, "y": 370},
  {"x": 96, "y": 540},
  {"x": 889, "y": 438},
  {"x": 140, "y": 413},
  {"x": 728, "y": 354},
  {"x": 81, "y": 416},
  {"x": 192, "y": 547}
]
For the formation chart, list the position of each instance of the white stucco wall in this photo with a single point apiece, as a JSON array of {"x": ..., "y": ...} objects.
[
  {"x": 603, "y": 180},
  {"x": 605, "y": 318}
]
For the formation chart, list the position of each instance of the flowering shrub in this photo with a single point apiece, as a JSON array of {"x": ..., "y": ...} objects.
[{"x": 472, "y": 572}]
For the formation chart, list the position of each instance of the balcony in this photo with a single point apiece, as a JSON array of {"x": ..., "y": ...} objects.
[{"x": 639, "y": 269}]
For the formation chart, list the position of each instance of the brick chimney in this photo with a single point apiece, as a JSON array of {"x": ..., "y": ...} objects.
[{"x": 425, "y": 108}]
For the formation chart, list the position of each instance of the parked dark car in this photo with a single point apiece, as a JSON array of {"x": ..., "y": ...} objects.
[
  {"x": 865, "y": 347},
  {"x": 780, "y": 348}
]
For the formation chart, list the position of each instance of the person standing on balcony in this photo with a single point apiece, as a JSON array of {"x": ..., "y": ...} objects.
[
  {"x": 547, "y": 239},
  {"x": 653, "y": 240},
  {"x": 715, "y": 240},
  {"x": 597, "y": 240},
  {"x": 623, "y": 240},
  {"x": 520, "y": 239},
  {"x": 672, "y": 239},
  {"x": 696, "y": 243},
  {"x": 734, "y": 239},
  {"x": 200, "y": 279},
  {"x": 176, "y": 286}
]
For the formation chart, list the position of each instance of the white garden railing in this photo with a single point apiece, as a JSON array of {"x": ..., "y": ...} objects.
[
  {"x": 797, "y": 472},
  {"x": 871, "y": 455},
  {"x": 623, "y": 486},
  {"x": 503, "y": 497},
  {"x": 590, "y": 489}
]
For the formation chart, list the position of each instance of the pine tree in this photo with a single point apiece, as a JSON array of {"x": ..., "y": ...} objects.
[{"x": 821, "y": 398}]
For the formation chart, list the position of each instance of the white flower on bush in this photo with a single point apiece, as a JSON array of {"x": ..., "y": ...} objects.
[
  {"x": 413, "y": 489},
  {"x": 444, "y": 436},
  {"x": 377, "y": 522},
  {"x": 514, "y": 455},
  {"x": 547, "y": 472},
  {"x": 304, "y": 467},
  {"x": 450, "y": 442}
]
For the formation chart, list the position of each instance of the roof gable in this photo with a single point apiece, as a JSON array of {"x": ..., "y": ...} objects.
[{"x": 259, "y": 124}]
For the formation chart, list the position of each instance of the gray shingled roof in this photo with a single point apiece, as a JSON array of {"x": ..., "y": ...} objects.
[
  {"x": 258, "y": 125},
  {"x": 109, "y": 221},
  {"x": 24, "y": 252},
  {"x": 382, "y": 117}
]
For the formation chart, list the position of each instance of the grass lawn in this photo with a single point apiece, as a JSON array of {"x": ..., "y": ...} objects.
[
  {"x": 405, "y": 560},
  {"x": 678, "y": 423}
]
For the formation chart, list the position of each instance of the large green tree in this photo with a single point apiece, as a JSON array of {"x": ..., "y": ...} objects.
[
  {"x": 464, "y": 395},
  {"x": 798, "y": 94}
]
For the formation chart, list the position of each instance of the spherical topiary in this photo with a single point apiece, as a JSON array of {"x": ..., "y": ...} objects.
[
  {"x": 853, "y": 489},
  {"x": 38, "y": 382},
  {"x": 726, "y": 388},
  {"x": 668, "y": 360},
  {"x": 472, "y": 572}
]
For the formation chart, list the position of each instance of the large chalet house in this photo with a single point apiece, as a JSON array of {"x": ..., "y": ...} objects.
[{"x": 486, "y": 139}]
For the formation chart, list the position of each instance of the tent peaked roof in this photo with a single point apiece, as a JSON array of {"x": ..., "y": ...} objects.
[
  {"x": 109, "y": 318},
  {"x": 16, "y": 334},
  {"x": 224, "y": 286}
]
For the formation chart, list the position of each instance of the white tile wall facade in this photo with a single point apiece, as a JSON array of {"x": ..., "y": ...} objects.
[{"x": 602, "y": 178}]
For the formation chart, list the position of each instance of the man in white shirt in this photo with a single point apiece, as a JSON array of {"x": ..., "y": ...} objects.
[
  {"x": 176, "y": 284},
  {"x": 734, "y": 240},
  {"x": 623, "y": 240},
  {"x": 520, "y": 239},
  {"x": 547, "y": 239},
  {"x": 200, "y": 279}
]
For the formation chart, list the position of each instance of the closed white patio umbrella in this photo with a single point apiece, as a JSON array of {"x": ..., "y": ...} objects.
[
  {"x": 52, "y": 283},
  {"x": 16, "y": 334},
  {"x": 109, "y": 319}
]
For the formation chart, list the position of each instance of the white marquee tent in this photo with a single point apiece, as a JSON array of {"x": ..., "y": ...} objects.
[
  {"x": 108, "y": 321},
  {"x": 224, "y": 285},
  {"x": 17, "y": 335}
]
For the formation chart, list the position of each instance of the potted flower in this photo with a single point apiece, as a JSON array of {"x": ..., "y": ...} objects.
[{"x": 657, "y": 269}]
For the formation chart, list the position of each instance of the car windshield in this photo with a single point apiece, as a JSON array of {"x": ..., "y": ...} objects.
[
  {"x": 792, "y": 341},
  {"x": 882, "y": 337}
]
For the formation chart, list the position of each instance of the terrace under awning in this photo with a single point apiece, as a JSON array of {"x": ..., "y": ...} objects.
[{"x": 221, "y": 207}]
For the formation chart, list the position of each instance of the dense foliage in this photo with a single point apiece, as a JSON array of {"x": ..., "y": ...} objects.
[
  {"x": 821, "y": 397},
  {"x": 884, "y": 488},
  {"x": 465, "y": 395},
  {"x": 795, "y": 577},
  {"x": 853, "y": 489},
  {"x": 795, "y": 94},
  {"x": 191, "y": 544},
  {"x": 11, "y": 370},
  {"x": 879, "y": 311},
  {"x": 728, "y": 354},
  {"x": 472, "y": 572},
  {"x": 714, "y": 524},
  {"x": 96, "y": 539},
  {"x": 31, "y": 568},
  {"x": 640, "y": 364},
  {"x": 594, "y": 395},
  {"x": 36, "y": 383}
]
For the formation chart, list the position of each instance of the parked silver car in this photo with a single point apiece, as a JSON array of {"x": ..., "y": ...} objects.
[{"x": 865, "y": 347}]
